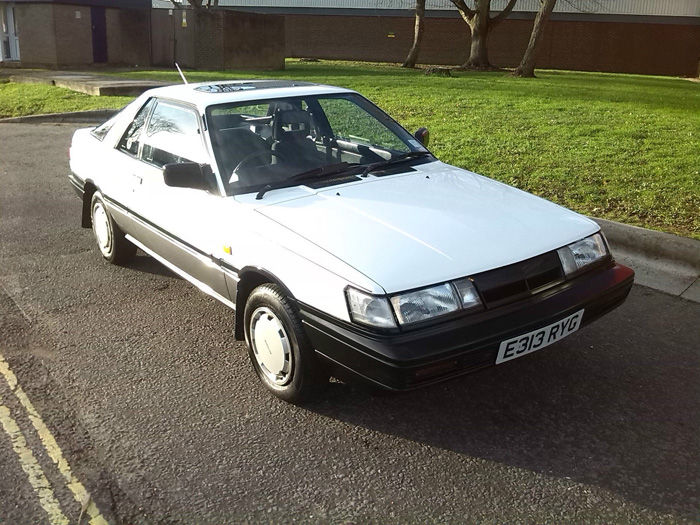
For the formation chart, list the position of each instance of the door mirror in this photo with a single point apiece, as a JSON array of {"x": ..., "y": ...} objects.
[
  {"x": 423, "y": 136},
  {"x": 187, "y": 175}
]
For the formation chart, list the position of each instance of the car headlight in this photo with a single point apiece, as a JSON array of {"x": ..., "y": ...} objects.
[
  {"x": 372, "y": 310},
  {"x": 580, "y": 254},
  {"x": 425, "y": 304},
  {"x": 434, "y": 301}
]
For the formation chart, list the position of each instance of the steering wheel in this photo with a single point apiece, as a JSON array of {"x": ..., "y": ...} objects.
[{"x": 253, "y": 155}]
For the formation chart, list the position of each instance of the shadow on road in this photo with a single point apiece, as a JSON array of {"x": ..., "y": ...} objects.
[
  {"x": 623, "y": 415},
  {"x": 147, "y": 264}
]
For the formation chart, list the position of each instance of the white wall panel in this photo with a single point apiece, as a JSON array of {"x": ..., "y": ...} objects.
[{"x": 623, "y": 7}]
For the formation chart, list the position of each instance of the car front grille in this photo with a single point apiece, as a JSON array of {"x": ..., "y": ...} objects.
[{"x": 520, "y": 280}]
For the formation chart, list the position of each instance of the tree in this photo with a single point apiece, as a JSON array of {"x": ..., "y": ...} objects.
[
  {"x": 527, "y": 64},
  {"x": 412, "y": 57},
  {"x": 480, "y": 24}
]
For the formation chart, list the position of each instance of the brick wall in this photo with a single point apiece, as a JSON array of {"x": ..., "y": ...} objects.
[
  {"x": 209, "y": 40},
  {"x": 35, "y": 27},
  {"x": 170, "y": 42},
  {"x": 128, "y": 37},
  {"x": 624, "y": 47},
  {"x": 54, "y": 35},
  {"x": 73, "y": 27},
  {"x": 254, "y": 41},
  {"x": 239, "y": 40},
  {"x": 218, "y": 40}
]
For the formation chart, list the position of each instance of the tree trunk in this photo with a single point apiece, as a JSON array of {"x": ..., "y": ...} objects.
[
  {"x": 412, "y": 57},
  {"x": 480, "y": 25},
  {"x": 479, "y": 51},
  {"x": 527, "y": 64}
]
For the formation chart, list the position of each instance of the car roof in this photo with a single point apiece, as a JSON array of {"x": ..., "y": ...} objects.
[{"x": 205, "y": 94}]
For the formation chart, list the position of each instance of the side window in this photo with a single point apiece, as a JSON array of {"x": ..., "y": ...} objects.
[
  {"x": 100, "y": 132},
  {"x": 172, "y": 136},
  {"x": 132, "y": 138}
]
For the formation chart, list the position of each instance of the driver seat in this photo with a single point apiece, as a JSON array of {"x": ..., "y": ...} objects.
[
  {"x": 235, "y": 144},
  {"x": 291, "y": 134}
]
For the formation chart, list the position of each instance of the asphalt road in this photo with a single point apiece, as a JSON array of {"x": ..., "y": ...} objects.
[{"x": 159, "y": 416}]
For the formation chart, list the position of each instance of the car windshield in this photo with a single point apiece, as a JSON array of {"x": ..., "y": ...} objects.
[{"x": 273, "y": 143}]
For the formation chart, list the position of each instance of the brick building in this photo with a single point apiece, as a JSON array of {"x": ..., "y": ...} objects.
[
  {"x": 65, "y": 33},
  {"x": 627, "y": 36},
  {"x": 217, "y": 39}
]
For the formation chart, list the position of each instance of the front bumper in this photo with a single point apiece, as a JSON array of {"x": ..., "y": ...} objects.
[{"x": 409, "y": 360}]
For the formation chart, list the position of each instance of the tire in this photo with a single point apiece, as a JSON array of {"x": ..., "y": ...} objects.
[
  {"x": 111, "y": 240},
  {"x": 279, "y": 348}
]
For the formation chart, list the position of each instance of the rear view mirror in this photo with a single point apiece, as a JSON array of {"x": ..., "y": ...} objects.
[
  {"x": 186, "y": 175},
  {"x": 423, "y": 136}
]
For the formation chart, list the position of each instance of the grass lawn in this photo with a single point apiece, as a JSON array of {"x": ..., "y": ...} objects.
[
  {"x": 622, "y": 147},
  {"x": 17, "y": 100}
]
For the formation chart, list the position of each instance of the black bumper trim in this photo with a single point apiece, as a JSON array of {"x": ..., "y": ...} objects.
[{"x": 409, "y": 360}]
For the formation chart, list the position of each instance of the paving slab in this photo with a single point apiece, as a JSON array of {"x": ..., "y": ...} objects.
[
  {"x": 105, "y": 86},
  {"x": 84, "y": 82}
]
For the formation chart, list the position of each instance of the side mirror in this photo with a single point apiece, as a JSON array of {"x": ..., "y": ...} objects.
[
  {"x": 423, "y": 136},
  {"x": 186, "y": 175}
]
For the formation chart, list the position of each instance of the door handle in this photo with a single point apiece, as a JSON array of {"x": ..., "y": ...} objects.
[{"x": 139, "y": 179}]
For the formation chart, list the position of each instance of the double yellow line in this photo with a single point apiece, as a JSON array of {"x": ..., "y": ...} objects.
[{"x": 31, "y": 467}]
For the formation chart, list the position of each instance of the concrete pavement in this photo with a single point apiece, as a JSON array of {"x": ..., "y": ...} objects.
[{"x": 88, "y": 82}]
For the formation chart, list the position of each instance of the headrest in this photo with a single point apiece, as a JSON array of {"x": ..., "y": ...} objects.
[{"x": 292, "y": 121}]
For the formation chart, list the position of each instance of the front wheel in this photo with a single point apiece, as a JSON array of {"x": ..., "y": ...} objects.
[
  {"x": 110, "y": 238},
  {"x": 278, "y": 347}
]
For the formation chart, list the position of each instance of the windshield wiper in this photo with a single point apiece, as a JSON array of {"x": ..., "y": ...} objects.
[
  {"x": 315, "y": 173},
  {"x": 334, "y": 169},
  {"x": 404, "y": 156}
]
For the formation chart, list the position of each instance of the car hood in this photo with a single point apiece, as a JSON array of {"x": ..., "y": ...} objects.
[{"x": 431, "y": 225}]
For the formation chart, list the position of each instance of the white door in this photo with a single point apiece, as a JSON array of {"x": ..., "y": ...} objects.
[
  {"x": 9, "y": 42},
  {"x": 183, "y": 225}
]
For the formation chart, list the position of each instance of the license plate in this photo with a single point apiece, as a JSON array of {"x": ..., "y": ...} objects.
[{"x": 527, "y": 343}]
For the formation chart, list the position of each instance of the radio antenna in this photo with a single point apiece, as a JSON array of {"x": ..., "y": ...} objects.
[{"x": 181, "y": 73}]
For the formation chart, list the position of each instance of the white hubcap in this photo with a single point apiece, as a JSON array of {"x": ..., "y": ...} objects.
[
  {"x": 271, "y": 346},
  {"x": 100, "y": 224}
]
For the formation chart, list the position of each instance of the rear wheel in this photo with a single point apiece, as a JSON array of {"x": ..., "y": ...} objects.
[
  {"x": 278, "y": 347},
  {"x": 110, "y": 238}
]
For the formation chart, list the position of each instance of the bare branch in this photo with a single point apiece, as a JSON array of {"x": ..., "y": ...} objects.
[
  {"x": 463, "y": 8},
  {"x": 500, "y": 17}
]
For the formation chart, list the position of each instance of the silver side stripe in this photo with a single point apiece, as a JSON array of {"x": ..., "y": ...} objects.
[
  {"x": 194, "y": 253},
  {"x": 199, "y": 284}
]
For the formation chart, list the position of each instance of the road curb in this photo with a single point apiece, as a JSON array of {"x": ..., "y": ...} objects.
[
  {"x": 96, "y": 116},
  {"x": 662, "y": 261}
]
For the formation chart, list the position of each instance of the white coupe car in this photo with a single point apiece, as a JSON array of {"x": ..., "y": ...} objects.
[{"x": 342, "y": 244}]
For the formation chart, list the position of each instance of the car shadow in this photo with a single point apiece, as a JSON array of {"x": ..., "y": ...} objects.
[
  {"x": 147, "y": 264},
  {"x": 616, "y": 405}
]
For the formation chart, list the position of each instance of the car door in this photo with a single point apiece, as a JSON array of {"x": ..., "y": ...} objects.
[
  {"x": 121, "y": 166},
  {"x": 184, "y": 226}
]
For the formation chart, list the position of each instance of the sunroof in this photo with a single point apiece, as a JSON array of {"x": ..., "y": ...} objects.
[{"x": 232, "y": 87}]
